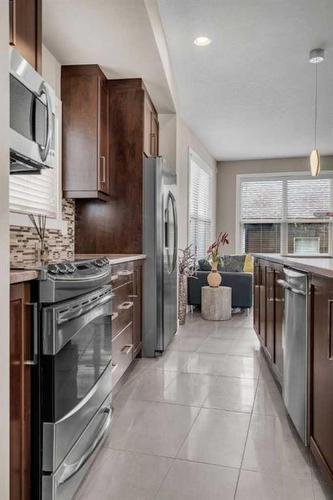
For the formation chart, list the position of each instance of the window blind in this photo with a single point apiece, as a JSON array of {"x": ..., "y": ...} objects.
[
  {"x": 305, "y": 196},
  {"x": 200, "y": 209},
  {"x": 34, "y": 193},
  {"x": 261, "y": 199}
]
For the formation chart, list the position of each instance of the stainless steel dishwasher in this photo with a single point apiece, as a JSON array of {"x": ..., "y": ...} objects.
[{"x": 296, "y": 349}]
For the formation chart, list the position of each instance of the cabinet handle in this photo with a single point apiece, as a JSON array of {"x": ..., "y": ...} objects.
[
  {"x": 133, "y": 296},
  {"x": 125, "y": 305},
  {"x": 114, "y": 367},
  {"x": 127, "y": 349},
  {"x": 103, "y": 175},
  {"x": 114, "y": 316},
  {"x": 34, "y": 360},
  {"x": 12, "y": 22}
]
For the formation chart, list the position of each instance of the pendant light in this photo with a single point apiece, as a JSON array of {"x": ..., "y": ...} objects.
[{"x": 316, "y": 57}]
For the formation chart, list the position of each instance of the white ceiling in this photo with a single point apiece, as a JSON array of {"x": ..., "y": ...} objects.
[
  {"x": 116, "y": 34},
  {"x": 250, "y": 93}
]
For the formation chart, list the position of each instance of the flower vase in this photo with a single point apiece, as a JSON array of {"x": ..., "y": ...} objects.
[
  {"x": 214, "y": 278},
  {"x": 182, "y": 298}
]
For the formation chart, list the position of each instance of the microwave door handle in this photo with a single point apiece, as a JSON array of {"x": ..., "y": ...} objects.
[{"x": 44, "y": 150}]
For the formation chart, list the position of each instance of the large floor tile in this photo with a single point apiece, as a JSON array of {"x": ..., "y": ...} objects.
[
  {"x": 247, "y": 347},
  {"x": 121, "y": 475},
  {"x": 228, "y": 366},
  {"x": 232, "y": 333},
  {"x": 263, "y": 486},
  {"x": 150, "y": 427},
  {"x": 150, "y": 385},
  {"x": 189, "y": 388},
  {"x": 215, "y": 345},
  {"x": 269, "y": 400},
  {"x": 321, "y": 489},
  {"x": 174, "y": 361},
  {"x": 217, "y": 437},
  {"x": 273, "y": 447},
  {"x": 186, "y": 343},
  {"x": 194, "y": 481},
  {"x": 230, "y": 393}
]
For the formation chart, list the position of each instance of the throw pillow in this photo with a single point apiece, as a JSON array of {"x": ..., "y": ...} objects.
[
  {"x": 248, "y": 264},
  {"x": 234, "y": 263},
  {"x": 204, "y": 265}
]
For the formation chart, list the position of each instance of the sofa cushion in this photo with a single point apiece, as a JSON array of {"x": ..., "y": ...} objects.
[
  {"x": 233, "y": 263},
  {"x": 204, "y": 265}
]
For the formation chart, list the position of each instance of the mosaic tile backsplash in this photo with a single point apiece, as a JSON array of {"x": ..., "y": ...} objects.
[{"x": 60, "y": 246}]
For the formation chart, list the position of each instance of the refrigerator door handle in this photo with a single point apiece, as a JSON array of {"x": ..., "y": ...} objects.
[{"x": 172, "y": 203}]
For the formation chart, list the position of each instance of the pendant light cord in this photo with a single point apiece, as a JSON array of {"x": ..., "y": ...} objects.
[{"x": 316, "y": 110}]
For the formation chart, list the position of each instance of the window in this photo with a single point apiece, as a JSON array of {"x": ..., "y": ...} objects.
[
  {"x": 277, "y": 214},
  {"x": 38, "y": 194},
  {"x": 200, "y": 206}
]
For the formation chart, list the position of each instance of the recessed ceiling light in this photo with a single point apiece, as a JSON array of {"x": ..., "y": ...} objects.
[{"x": 202, "y": 41}]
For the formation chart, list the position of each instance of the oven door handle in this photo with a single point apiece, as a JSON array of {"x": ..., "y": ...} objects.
[
  {"x": 76, "y": 313},
  {"x": 71, "y": 469}
]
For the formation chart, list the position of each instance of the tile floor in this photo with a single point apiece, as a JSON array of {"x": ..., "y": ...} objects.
[{"x": 205, "y": 421}]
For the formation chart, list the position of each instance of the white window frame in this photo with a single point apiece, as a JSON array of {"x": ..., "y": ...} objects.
[
  {"x": 57, "y": 223},
  {"x": 202, "y": 164},
  {"x": 284, "y": 220}
]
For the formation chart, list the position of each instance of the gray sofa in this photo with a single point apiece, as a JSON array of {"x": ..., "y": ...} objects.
[{"x": 240, "y": 282}]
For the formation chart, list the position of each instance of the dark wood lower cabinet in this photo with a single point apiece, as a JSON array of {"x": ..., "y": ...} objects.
[
  {"x": 126, "y": 316},
  {"x": 20, "y": 392},
  {"x": 321, "y": 422},
  {"x": 268, "y": 311}
]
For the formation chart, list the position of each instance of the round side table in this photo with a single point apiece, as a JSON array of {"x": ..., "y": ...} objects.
[{"x": 216, "y": 303}]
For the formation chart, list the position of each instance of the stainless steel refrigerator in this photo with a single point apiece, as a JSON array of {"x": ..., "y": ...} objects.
[{"x": 160, "y": 246}]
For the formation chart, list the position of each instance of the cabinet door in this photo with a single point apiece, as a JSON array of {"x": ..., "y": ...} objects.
[
  {"x": 20, "y": 393},
  {"x": 256, "y": 315},
  {"x": 25, "y": 29},
  {"x": 262, "y": 299},
  {"x": 322, "y": 369},
  {"x": 279, "y": 305},
  {"x": 270, "y": 311},
  {"x": 137, "y": 311},
  {"x": 154, "y": 135},
  {"x": 147, "y": 112},
  {"x": 103, "y": 158}
]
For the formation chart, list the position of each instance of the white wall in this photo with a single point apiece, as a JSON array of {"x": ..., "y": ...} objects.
[
  {"x": 51, "y": 70},
  {"x": 226, "y": 185},
  {"x": 187, "y": 140},
  {"x": 4, "y": 253}
]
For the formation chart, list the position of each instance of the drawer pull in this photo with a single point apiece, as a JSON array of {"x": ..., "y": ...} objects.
[
  {"x": 114, "y": 316},
  {"x": 127, "y": 349},
  {"x": 133, "y": 296},
  {"x": 125, "y": 305},
  {"x": 125, "y": 272},
  {"x": 114, "y": 277},
  {"x": 114, "y": 367}
]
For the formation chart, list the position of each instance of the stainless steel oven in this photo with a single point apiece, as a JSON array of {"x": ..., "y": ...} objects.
[
  {"x": 32, "y": 118},
  {"x": 74, "y": 364}
]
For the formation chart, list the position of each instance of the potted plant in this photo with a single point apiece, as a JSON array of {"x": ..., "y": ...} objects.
[
  {"x": 213, "y": 256},
  {"x": 186, "y": 269}
]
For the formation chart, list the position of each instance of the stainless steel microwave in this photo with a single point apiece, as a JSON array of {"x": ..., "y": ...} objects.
[{"x": 32, "y": 118}]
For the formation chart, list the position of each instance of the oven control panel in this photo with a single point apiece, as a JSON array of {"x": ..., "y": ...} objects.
[{"x": 79, "y": 268}]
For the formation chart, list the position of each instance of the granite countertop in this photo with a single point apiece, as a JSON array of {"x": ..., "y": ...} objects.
[
  {"x": 22, "y": 275},
  {"x": 322, "y": 266},
  {"x": 114, "y": 258}
]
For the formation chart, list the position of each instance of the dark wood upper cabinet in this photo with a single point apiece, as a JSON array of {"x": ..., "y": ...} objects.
[
  {"x": 85, "y": 143},
  {"x": 116, "y": 226},
  {"x": 322, "y": 371},
  {"x": 20, "y": 392},
  {"x": 25, "y": 30}
]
